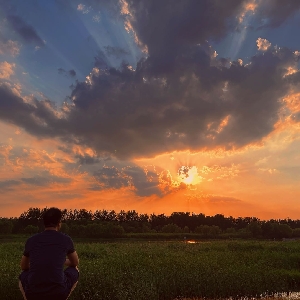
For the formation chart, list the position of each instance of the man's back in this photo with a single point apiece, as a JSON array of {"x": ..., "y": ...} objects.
[{"x": 47, "y": 253}]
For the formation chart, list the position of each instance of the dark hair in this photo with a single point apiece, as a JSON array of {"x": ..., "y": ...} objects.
[{"x": 52, "y": 217}]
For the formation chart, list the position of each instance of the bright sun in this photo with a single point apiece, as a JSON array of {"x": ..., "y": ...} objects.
[{"x": 189, "y": 175}]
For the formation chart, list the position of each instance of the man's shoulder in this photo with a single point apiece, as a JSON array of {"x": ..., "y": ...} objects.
[
  {"x": 63, "y": 234},
  {"x": 52, "y": 233},
  {"x": 57, "y": 234},
  {"x": 34, "y": 237}
]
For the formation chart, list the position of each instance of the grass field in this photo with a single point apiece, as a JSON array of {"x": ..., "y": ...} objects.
[{"x": 169, "y": 270}]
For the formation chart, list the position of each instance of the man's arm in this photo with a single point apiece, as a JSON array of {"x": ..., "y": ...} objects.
[
  {"x": 25, "y": 263},
  {"x": 72, "y": 260}
]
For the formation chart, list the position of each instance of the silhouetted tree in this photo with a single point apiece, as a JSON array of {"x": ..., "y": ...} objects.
[
  {"x": 33, "y": 216},
  {"x": 30, "y": 229},
  {"x": 64, "y": 228},
  {"x": 255, "y": 228},
  {"x": 296, "y": 232},
  {"x": 6, "y": 226},
  {"x": 77, "y": 220},
  {"x": 158, "y": 221},
  {"x": 171, "y": 228},
  {"x": 180, "y": 218}
]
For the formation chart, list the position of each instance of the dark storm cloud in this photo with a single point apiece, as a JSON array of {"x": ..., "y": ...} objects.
[
  {"x": 70, "y": 73},
  {"x": 167, "y": 26},
  {"x": 138, "y": 113},
  {"x": 135, "y": 177},
  {"x": 273, "y": 13},
  {"x": 24, "y": 30},
  {"x": 180, "y": 97},
  {"x": 134, "y": 113}
]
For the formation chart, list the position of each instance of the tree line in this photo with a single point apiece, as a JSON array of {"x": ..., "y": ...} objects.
[{"x": 109, "y": 223}]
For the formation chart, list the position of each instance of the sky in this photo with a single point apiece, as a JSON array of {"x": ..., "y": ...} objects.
[{"x": 154, "y": 106}]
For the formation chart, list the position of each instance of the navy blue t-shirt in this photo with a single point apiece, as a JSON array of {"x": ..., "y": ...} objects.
[{"x": 47, "y": 254}]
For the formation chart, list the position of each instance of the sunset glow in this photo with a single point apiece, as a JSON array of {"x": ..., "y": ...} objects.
[
  {"x": 138, "y": 105},
  {"x": 189, "y": 175}
]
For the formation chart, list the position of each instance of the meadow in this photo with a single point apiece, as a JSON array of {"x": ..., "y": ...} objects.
[{"x": 142, "y": 270}]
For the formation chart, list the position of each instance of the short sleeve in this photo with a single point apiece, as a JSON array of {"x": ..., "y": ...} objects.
[
  {"x": 70, "y": 248},
  {"x": 26, "y": 250}
]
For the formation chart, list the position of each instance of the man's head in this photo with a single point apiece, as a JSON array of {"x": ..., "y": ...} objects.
[{"x": 52, "y": 217}]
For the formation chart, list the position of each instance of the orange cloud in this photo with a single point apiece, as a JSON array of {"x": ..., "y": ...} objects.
[
  {"x": 263, "y": 44},
  {"x": 6, "y": 70},
  {"x": 248, "y": 7}
]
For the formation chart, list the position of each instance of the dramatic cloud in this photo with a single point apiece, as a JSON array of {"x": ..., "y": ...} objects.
[
  {"x": 181, "y": 96},
  {"x": 24, "y": 30},
  {"x": 201, "y": 115},
  {"x": 145, "y": 112},
  {"x": 139, "y": 113}
]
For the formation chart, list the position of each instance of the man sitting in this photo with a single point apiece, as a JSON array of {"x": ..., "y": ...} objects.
[{"x": 43, "y": 260}]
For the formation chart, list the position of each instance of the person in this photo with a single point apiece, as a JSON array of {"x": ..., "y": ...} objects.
[{"x": 43, "y": 275}]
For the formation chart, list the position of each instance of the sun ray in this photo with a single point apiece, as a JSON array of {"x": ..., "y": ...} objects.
[{"x": 240, "y": 35}]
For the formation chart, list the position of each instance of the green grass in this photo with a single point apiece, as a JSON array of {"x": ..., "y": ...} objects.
[{"x": 169, "y": 270}]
